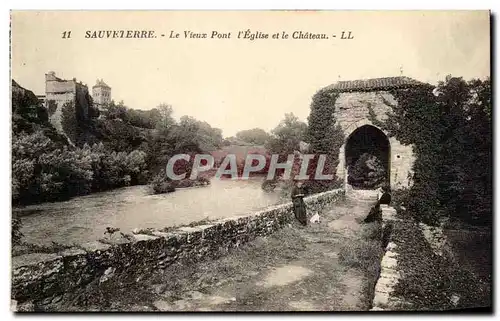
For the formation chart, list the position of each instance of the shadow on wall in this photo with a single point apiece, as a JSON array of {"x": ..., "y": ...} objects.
[{"x": 367, "y": 158}]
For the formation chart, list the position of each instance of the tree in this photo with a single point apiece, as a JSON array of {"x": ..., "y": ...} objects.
[
  {"x": 451, "y": 132},
  {"x": 286, "y": 137},
  {"x": 466, "y": 172},
  {"x": 255, "y": 136},
  {"x": 165, "y": 119}
]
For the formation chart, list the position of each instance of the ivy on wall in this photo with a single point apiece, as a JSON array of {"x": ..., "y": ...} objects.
[
  {"x": 451, "y": 132},
  {"x": 69, "y": 121},
  {"x": 324, "y": 136},
  {"x": 52, "y": 107}
]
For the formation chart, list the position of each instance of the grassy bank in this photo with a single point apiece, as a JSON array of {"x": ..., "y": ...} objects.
[
  {"x": 365, "y": 253},
  {"x": 432, "y": 282}
]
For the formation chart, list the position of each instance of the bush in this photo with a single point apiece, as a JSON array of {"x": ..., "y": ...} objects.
[
  {"x": 44, "y": 171},
  {"x": 16, "y": 231},
  {"x": 429, "y": 280},
  {"x": 318, "y": 186},
  {"x": 200, "y": 181},
  {"x": 372, "y": 231},
  {"x": 269, "y": 185},
  {"x": 367, "y": 172},
  {"x": 160, "y": 184},
  {"x": 450, "y": 129}
]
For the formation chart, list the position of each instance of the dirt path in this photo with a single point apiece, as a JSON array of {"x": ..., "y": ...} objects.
[{"x": 295, "y": 269}]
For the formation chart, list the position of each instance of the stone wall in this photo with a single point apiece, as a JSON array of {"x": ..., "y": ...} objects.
[
  {"x": 42, "y": 278},
  {"x": 389, "y": 274},
  {"x": 352, "y": 112},
  {"x": 58, "y": 92}
]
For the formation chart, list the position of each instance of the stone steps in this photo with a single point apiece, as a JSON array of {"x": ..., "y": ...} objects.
[{"x": 362, "y": 196}]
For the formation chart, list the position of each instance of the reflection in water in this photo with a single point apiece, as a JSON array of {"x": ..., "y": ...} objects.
[{"x": 84, "y": 219}]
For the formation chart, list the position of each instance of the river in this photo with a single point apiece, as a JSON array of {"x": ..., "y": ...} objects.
[{"x": 84, "y": 219}]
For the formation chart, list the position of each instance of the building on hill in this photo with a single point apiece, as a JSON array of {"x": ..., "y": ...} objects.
[
  {"x": 101, "y": 94},
  {"x": 60, "y": 92},
  {"x": 41, "y": 99}
]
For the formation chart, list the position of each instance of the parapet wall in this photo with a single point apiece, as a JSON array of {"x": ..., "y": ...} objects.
[
  {"x": 44, "y": 278},
  {"x": 389, "y": 273}
]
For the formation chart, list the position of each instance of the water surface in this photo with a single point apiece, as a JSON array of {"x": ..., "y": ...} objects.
[{"x": 84, "y": 219}]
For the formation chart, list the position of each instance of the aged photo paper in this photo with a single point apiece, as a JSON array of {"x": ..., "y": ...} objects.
[{"x": 264, "y": 161}]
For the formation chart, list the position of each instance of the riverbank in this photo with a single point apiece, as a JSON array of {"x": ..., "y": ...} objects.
[
  {"x": 85, "y": 219},
  {"x": 294, "y": 269}
]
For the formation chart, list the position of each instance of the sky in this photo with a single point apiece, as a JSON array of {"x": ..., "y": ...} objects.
[{"x": 236, "y": 84}]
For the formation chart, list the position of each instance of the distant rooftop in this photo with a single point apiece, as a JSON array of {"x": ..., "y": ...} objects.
[
  {"x": 101, "y": 83},
  {"x": 375, "y": 84}
]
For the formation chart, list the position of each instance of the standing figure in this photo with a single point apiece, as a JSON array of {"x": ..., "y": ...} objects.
[
  {"x": 385, "y": 198},
  {"x": 299, "y": 207}
]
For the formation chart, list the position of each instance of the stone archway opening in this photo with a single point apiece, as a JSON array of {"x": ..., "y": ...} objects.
[{"x": 367, "y": 158}]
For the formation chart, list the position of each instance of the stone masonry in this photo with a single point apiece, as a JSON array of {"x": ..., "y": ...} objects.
[
  {"x": 389, "y": 274},
  {"x": 41, "y": 278},
  {"x": 59, "y": 92},
  {"x": 355, "y": 98},
  {"x": 101, "y": 93}
]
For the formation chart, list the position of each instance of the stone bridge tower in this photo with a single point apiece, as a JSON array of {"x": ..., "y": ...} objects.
[{"x": 352, "y": 107}]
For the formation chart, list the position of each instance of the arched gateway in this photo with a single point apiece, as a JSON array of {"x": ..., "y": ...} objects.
[
  {"x": 356, "y": 104},
  {"x": 367, "y": 144}
]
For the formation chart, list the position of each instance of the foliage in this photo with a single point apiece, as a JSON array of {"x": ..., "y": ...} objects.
[
  {"x": 364, "y": 253},
  {"x": 189, "y": 136},
  {"x": 255, "y": 136},
  {"x": 466, "y": 172},
  {"x": 69, "y": 122},
  {"x": 325, "y": 138},
  {"x": 16, "y": 233},
  {"x": 451, "y": 132},
  {"x": 367, "y": 172},
  {"x": 194, "y": 135},
  {"x": 41, "y": 171},
  {"x": 118, "y": 147},
  {"x": 229, "y": 141},
  {"x": 155, "y": 132},
  {"x": 429, "y": 280},
  {"x": 117, "y": 135},
  {"x": 78, "y": 117},
  {"x": 323, "y": 134},
  {"x": 116, "y": 169},
  {"x": 28, "y": 115},
  {"x": 285, "y": 138},
  {"x": 160, "y": 184}
]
